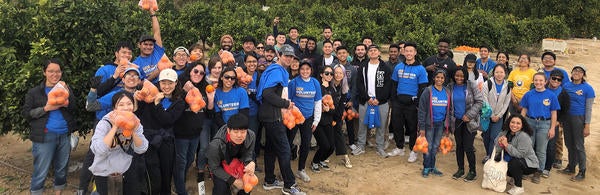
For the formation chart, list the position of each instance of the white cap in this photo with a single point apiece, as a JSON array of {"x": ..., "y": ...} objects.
[{"x": 168, "y": 74}]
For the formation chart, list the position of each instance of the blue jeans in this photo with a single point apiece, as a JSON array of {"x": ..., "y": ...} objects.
[
  {"x": 55, "y": 149},
  {"x": 433, "y": 136},
  {"x": 490, "y": 135},
  {"x": 539, "y": 139},
  {"x": 185, "y": 152},
  {"x": 277, "y": 145},
  {"x": 204, "y": 140}
]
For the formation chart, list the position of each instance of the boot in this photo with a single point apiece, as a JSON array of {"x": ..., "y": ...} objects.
[
  {"x": 536, "y": 177},
  {"x": 580, "y": 176}
]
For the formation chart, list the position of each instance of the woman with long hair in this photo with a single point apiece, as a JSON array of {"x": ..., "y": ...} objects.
[
  {"x": 229, "y": 98},
  {"x": 340, "y": 84},
  {"x": 324, "y": 131},
  {"x": 497, "y": 94}
]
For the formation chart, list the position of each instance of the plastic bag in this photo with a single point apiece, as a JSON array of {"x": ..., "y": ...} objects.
[
  {"x": 147, "y": 93},
  {"x": 195, "y": 100},
  {"x": 58, "y": 95},
  {"x": 126, "y": 121}
]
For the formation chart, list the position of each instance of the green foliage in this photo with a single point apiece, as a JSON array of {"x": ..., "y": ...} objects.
[{"x": 82, "y": 33}]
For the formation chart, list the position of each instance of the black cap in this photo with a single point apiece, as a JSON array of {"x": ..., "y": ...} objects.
[
  {"x": 374, "y": 46},
  {"x": 146, "y": 38},
  {"x": 305, "y": 61},
  {"x": 238, "y": 121},
  {"x": 269, "y": 47},
  {"x": 556, "y": 73}
]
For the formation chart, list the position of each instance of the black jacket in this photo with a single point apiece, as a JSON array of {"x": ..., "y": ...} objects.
[
  {"x": 383, "y": 87},
  {"x": 33, "y": 111},
  {"x": 565, "y": 104},
  {"x": 219, "y": 150},
  {"x": 272, "y": 103},
  {"x": 158, "y": 122}
]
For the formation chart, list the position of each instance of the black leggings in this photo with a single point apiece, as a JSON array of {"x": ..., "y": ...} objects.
[
  {"x": 325, "y": 140},
  {"x": 305, "y": 137},
  {"x": 464, "y": 145},
  {"x": 221, "y": 187},
  {"x": 339, "y": 139},
  {"x": 517, "y": 168}
]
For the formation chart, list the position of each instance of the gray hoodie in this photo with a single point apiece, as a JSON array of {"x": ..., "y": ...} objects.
[{"x": 112, "y": 160}]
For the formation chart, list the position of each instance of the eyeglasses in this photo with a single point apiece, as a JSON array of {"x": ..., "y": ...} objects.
[
  {"x": 135, "y": 76},
  {"x": 231, "y": 78},
  {"x": 196, "y": 71},
  {"x": 251, "y": 61},
  {"x": 260, "y": 47},
  {"x": 557, "y": 79},
  {"x": 181, "y": 55},
  {"x": 327, "y": 73}
]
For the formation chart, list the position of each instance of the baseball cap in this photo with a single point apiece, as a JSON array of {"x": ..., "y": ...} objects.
[
  {"x": 146, "y": 38},
  {"x": 374, "y": 46},
  {"x": 305, "y": 61},
  {"x": 269, "y": 47},
  {"x": 580, "y": 66},
  {"x": 181, "y": 48},
  {"x": 167, "y": 74},
  {"x": 287, "y": 50},
  {"x": 131, "y": 69}
]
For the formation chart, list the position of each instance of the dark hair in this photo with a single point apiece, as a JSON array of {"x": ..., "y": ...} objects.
[
  {"x": 528, "y": 58},
  {"x": 525, "y": 126},
  {"x": 249, "y": 39},
  {"x": 505, "y": 54},
  {"x": 292, "y": 28},
  {"x": 196, "y": 46},
  {"x": 250, "y": 55},
  {"x": 395, "y": 46},
  {"x": 266, "y": 36},
  {"x": 227, "y": 69},
  {"x": 238, "y": 121},
  {"x": 340, "y": 40},
  {"x": 501, "y": 66},
  {"x": 462, "y": 69},
  {"x": 310, "y": 38},
  {"x": 303, "y": 37},
  {"x": 401, "y": 42},
  {"x": 366, "y": 37},
  {"x": 120, "y": 95},
  {"x": 327, "y": 27},
  {"x": 410, "y": 44},
  {"x": 185, "y": 76},
  {"x": 50, "y": 61},
  {"x": 550, "y": 54},
  {"x": 341, "y": 47},
  {"x": 485, "y": 46},
  {"x": 360, "y": 45},
  {"x": 123, "y": 44},
  {"x": 280, "y": 33},
  {"x": 443, "y": 40},
  {"x": 213, "y": 61},
  {"x": 475, "y": 72},
  {"x": 327, "y": 41}
]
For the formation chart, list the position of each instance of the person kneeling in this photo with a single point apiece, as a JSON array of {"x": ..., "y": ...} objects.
[{"x": 229, "y": 155}]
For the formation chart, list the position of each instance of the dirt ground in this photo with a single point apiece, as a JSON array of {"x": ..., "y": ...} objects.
[{"x": 371, "y": 174}]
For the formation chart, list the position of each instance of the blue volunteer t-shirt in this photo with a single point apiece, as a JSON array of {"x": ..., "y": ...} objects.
[
  {"x": 409, "y": 78},
  {"x": 566, "y": 78},
  {"x": 556, "y": 91},
  {"x": 499, "y": 87},
  {"x": 304, "y": 94},
  {"x": 56, "y": 122},
  {"x": 180, "y": 71},
  {"x": 229, "y": 103},
  {"x": 253, "y": 111},
  {"x": 106, "y": 72},
  {"x": 459, "y": 101},
  {"x": 579, "y": 93},
  {"x": 487, "y": 66},
  {"x": 149, "y": 63},
  {"x": 105, "y": 104},
  {"x": 439, "y": 102},
  {"x": 540, "y": 104},
  {"x": 166, "y": 103}
]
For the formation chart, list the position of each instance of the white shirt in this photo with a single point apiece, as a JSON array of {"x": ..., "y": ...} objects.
[
  {"x": 329, "y": 60},
  {"x": 371, "y": 74}
]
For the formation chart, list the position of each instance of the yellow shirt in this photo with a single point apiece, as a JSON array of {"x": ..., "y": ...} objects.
[{"x": 522, "y": 81}]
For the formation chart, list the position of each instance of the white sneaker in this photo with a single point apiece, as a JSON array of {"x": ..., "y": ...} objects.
[
  {"x": 303, "y": 176},
  {"x": 396, "y": 152},
  {"x": 358, "y": 151},
  {"x": 516, "y": 190},
  {"x": 353, "y": 147},
  {"x": 201, "y": 188},
  {"x": 386, "y": 144},
  {"x": 412, "y": 157},
  {"x": 391, "y": 136}
]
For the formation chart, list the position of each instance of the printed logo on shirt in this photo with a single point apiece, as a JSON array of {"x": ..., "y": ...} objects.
[
  {"x": 228, "y": 106},
  {"x": 304, "y": 94},
  {"x": 380, "y": 78},
  {"x": 579, "y": 92},
  {"x": 348, "y": 74},
  {"x": 436, "y": 102},
  {"x": 519, "y": 83},
  {"x": 408, "y": 75},
  {"x": 546, "y": 102},
  {"x": 148, "y": 69}
]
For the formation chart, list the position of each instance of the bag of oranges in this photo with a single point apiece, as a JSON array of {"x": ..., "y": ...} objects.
[
  {"x": 58, "y": 95},
  {"x": 195, "y": 100},
  {"x": 445, "y": 145},
  {"x": 147, "y": 93},
  {"x": 421, "y": 145},
  {"x": 126, "y": 121}
]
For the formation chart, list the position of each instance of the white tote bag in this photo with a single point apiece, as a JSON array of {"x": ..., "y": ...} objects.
[{"x": 494, "y": 173}]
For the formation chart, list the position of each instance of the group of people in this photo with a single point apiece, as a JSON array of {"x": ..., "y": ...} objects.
[{"x": 432, "y": 99}]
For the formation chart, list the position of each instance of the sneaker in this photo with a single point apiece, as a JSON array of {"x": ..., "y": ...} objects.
[
  {"x": 580, "y": 176},
  {"x": 437, "y": 172},
  {"x": 458, "y": 174},
  {"x": 201, "y": 188},
  {"x": 386, "y": 144},
  {"x": 274, "y": 185},
  {"x": 425, "y": 172},
  {"x": 303, "y": 176},
  {"x": 346, "y": 161},
  {"x": 358, "y": 151},
  {"x": 412, "y": 157},
  {"x": 516, "y": 190},
  {"x": 546, "y": 173},
  {"x": 324, "y": 166},
  {"x": 391, "y": 136},
  {"x": 471, "y": 176},
  {"x": 382, "y": 153},
  {"x": 557, "y": 164},
  {"x": 536, "y": 177},
  {"x": 294, "y": 190},
  {"x": 353, "y": 147},
  {"x": 567, "y": 171},
  {"x": 485, "y": 159},
  {"x": 396, "y": 152},
  {"x": 315, "y": 167}
]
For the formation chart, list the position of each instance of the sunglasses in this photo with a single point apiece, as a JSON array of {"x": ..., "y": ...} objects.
[
  {"x": 232, "y": 78},
  {"x": 260, "y": 47},
  {"x": 196, "y": 71},
  {"x": 327, "y": 73},
  {"x": 557, "y": 79}
]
